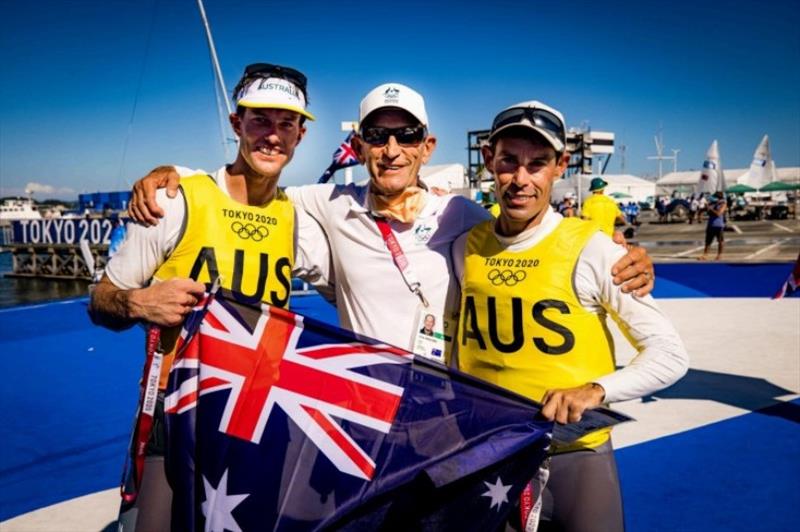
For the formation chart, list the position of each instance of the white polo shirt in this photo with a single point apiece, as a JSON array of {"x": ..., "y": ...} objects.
[{"x": 371, "y": 296}]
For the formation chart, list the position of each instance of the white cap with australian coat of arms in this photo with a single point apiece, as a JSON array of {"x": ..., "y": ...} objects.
[{"x": 394, "y": 96}]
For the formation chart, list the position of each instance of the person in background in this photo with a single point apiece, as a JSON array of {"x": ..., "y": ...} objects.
[
  {"x": 715, "y": 229},
  {"x": 702, "y": 207},
  {"x": 635, "y": 210},
  {"x": 694, "y": 208},
  {"x": 601, "y": 209},
  {"x": 567, "y": 206}
]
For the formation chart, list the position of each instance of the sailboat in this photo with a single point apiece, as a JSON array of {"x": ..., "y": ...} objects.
[
  {"x": 712, "y": 177},
  {"x": 762, "y": 170}
]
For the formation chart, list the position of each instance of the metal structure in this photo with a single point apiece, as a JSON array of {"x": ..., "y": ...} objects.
[
  {"x": 585, "y": 146},
  {"x": 57, "y": 261},
  {"x": 475, "y": 139},
  {"x": 660, "y": 157}
]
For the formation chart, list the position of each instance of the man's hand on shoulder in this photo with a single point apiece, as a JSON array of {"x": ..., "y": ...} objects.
[
  {"x": 143, "y": 207},
  {"x": 567, "y": 405},
  {"x": 634, "y": 271}
]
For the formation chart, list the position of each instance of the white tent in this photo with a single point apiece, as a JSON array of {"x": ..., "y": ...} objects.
[
  {"x": 686, "y": 181},
  {"x": 445, "y": 176}
]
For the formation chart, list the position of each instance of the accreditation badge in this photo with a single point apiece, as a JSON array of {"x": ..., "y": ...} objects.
[{"x": 432, "y": 333}]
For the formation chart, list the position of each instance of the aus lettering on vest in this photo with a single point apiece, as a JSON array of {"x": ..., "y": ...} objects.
[
  {"x": 281, "y": 268},
  {"x": 473, "y": 325}
]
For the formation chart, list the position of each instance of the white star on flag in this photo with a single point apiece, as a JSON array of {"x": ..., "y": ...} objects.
[
  {"x": 498, "y": 492},
  {"x": 218, "y": 506}
]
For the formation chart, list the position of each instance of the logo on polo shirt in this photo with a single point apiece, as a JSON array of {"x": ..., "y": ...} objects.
[{"x": 423, "y": 233}]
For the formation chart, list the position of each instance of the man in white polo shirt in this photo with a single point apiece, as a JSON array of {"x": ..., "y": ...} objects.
[{"x": 381, "y": 293}]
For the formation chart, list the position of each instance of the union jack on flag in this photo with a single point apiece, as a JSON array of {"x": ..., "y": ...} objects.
[
  {"x": 262, "y": 368},
  {"x": 278, "y": 421},
  {"x": 343, "y": 157}
]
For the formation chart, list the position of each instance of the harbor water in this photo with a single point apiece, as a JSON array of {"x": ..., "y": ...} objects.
[{"x": 25, "y": 291}]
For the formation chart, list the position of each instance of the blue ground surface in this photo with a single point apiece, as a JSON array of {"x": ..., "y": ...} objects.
[
  {"x": 70, "y": 388},
  {"x": 68, "y": 400},
  {"x": 738, "y": 474},
  {"x": 720, "y": 279}
]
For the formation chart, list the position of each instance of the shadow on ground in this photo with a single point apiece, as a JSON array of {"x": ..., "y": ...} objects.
[{"x": 748, "y": 393}]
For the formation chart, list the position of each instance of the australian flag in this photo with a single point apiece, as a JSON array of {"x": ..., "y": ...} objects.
[
  {"x": 277, "y": 421},
  {"x": 791, "y": 284},
  {"x": 343, "y": 157}
]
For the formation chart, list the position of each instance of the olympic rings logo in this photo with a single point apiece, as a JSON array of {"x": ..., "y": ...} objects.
[
  {"x": 249, "y": 231},
  {"x": 506, "y": 277}
]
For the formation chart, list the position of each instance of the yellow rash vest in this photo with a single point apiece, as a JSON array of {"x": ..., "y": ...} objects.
[
  {"x": 250, "y": 247},
  {"x": 522, "y": 326}
]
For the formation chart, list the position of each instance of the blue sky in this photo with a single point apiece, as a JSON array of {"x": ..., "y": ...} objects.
[{"x": 93, "y": 94}]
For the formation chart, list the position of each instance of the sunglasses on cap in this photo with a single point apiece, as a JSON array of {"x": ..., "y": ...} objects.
[
  {"x": 538, "y": 117},
  {"x": 408, "y": 136},
  {"x": 267, "y": 70}
]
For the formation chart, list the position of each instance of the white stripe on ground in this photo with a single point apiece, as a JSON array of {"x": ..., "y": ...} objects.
[
  {"x": 93, "y": 512},
  {"x": 779, "y": 226},
  {"x": 736, "y": 228},
  {"x": 765, "y": 249},
  {"x": 724, "y": 337},
  {"x": 689, "y": 251},
  {"x": 41, "y": 305}
]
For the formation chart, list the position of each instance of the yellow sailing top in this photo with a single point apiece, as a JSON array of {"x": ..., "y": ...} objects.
[
  {"x": 522, "y": 326},
  {"x": 601, "y": 210},
  {"x": 250, "y": 247}
]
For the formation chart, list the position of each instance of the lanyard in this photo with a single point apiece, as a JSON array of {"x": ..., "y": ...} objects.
[
  {"x": 144, "y": 421},
  {"x": 400, "y": 259},
  {"x": 151, "y": 375}
]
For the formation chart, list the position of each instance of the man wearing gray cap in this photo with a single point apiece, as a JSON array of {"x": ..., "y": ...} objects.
[
  {"x": 390, "y": 240},
  {"x": 535, "y": 292}
]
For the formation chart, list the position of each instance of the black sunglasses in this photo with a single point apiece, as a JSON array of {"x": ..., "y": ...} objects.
[
  {"x": 408, "y": 136},
  {"x": 539, "y": 117},
  {"x": 267, "y": 70}
]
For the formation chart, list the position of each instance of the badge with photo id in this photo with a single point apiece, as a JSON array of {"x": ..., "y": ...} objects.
[{"x": 432, "y": 333}]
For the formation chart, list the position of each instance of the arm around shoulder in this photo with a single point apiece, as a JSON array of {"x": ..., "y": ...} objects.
[{"x": 662, "y": 358}]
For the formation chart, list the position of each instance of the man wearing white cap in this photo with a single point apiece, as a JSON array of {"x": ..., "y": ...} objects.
[
  {"x": 236, "y": 227},
  {"x": 535, "y": 292},
  {"x": 390, "y": 240}
]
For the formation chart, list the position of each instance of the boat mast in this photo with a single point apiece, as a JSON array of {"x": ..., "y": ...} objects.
[{"x": 217, "y": 74}]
